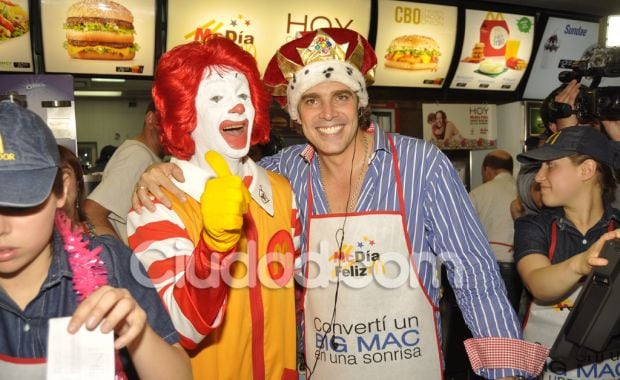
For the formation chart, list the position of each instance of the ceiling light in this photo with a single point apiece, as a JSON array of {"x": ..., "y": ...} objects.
[
  {"x": 108, "y": 80},
  {"x": 98, "y": 93},
  {"x": 613, "y": 31}
]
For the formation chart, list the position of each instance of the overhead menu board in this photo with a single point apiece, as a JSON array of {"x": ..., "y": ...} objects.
[
  {"x": 496, "y": 51},
  {"x": 15, "y": 45},
  {"x": 563, "y": 39},
  {"x": 415, "y": 43},
  {"x": 100, "y": 37},
  {"x": 261, "y": 27}
]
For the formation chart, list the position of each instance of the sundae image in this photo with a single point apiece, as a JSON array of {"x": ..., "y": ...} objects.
[
  {"x": 550, "y": 49},
  {"x": 552, "y": 43}
]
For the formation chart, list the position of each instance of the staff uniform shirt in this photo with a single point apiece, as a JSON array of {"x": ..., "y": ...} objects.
[{"x": 533, "y": 234}]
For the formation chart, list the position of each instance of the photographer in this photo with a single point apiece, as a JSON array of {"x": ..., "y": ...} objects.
[
  {"x": 561, "y": 112},
  {"x": 566, "y": 106},
  {"x": 556, "y": 248},
  {"x": 528, "y": 199}
]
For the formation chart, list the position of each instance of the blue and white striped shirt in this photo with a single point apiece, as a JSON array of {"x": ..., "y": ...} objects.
[{"x": 441, "y": 221}]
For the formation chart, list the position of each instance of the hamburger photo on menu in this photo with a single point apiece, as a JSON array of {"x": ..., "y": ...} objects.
[
  {"x": 100, "y": 29},
  {"x": 413, "y": 52}
]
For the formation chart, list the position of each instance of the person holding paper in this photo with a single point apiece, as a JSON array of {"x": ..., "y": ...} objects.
[
  {"x": 49, "y": 270},
  {"x": 222, "y": 261}
]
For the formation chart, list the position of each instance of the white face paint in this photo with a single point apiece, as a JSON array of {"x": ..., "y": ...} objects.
[{"x": 225, "y": 115}]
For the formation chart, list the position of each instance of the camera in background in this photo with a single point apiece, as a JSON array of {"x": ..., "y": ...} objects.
[{"x": 593, "y": 103}]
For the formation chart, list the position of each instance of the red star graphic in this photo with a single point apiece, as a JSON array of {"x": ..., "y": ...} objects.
[
  {"x": 247, "y": 22},
  {"x": 372, "y": 242}
]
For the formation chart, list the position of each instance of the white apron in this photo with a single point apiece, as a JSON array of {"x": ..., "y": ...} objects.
[
  {"x": 384, "y": 326},
  {"x": 542, "y": 325}
]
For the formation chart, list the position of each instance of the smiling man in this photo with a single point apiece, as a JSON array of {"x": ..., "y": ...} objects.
[
  {"x": 397, "y": 203},
  {"x": 204, "y": 255}
]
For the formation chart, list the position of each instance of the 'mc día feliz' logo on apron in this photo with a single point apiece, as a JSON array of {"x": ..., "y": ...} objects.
[
  {"x": 360, "y": 260},
  {"x": 359, "y": 263}
]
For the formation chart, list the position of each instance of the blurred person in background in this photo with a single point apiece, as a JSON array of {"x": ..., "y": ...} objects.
[
  {"x": 529, "y": 199},
  {"x": 104, "y": 156},
  {"x": 109, "y": 203},
  {"x": 76, "y": 190},
  {"x": 492, "y": 202}
]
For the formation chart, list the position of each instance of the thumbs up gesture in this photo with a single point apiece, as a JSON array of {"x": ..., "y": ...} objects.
[{"x": 223, "y": 203}]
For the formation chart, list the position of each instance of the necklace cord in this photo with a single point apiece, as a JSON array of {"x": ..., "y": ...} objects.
[{"x": 339, "y": 236}]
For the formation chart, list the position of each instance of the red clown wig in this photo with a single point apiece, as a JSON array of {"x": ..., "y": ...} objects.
[{"x": 180, "y": 71}]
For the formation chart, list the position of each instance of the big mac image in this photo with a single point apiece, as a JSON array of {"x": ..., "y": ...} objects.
[
  {"x": 100, "y": 29},
  {"x": 413, "y": 52}
]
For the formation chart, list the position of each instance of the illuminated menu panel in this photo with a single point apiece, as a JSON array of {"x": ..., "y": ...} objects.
[
  {"x": 563, "y": 39},
  {"x": 15, "y": 45},
  {"x": 99, "y": 37},
  {"x": 261, "y": 27},
  {"x": 496, "y": 51},
  {"x": 415, "y": 43}
]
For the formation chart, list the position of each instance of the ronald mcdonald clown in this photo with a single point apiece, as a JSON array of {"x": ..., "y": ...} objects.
[{"x": 222, "y": 259}]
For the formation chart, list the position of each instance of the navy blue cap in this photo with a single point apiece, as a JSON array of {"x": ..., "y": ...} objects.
[
  {"x": 29, "y": 158},
  {"x": 571, "y": 141}
]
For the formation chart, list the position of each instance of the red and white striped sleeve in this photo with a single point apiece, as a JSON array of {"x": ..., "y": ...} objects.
[{"x": 185, "y": 275}]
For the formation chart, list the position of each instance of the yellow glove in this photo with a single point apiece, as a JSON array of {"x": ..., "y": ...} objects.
[{"x": 223, "y": 203}]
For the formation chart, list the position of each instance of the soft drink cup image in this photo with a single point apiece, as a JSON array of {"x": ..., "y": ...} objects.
[{"x": 512, "y": 48}]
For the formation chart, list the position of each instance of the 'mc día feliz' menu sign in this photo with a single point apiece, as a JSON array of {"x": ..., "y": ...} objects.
[
  {"x": 495, "y": 52},
  {"x": 15, "y": 47},
  {"x": 73, "y": 41},
  {"x": 261, "y": 27},
  {"x": 415, "y": 43}
]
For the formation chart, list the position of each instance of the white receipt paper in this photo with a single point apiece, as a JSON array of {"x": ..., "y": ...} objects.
[{"x": 83, "y": 355}]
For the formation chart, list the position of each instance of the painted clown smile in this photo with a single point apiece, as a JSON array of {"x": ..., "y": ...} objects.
[{"x": 235, "y": 133}]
